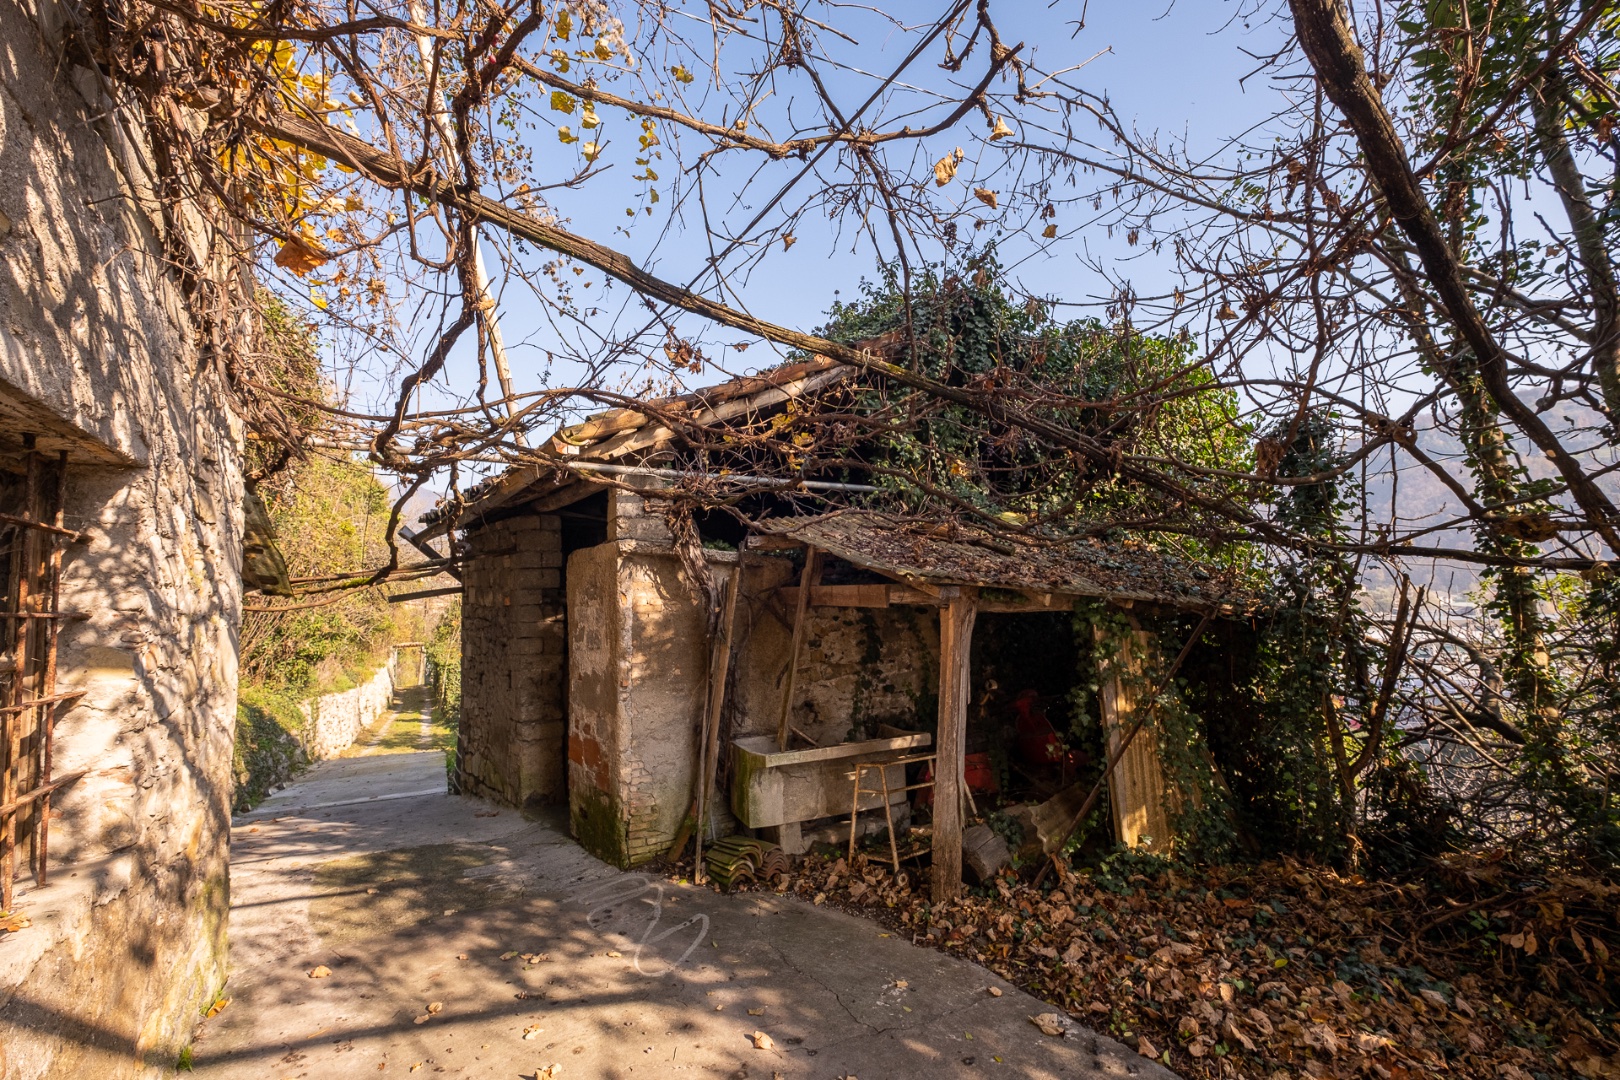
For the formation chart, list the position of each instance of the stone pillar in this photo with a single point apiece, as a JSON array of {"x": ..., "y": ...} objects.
[{"x": 514, "y": 663}]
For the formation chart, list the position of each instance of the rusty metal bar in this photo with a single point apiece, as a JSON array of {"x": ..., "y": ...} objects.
[
  {"x": 46, "y": 718},
  {"x": 41, "y": 792},
  {"x": 35, "y": 703},
  {"x": 28, "y": 719},
  {"x": 29, "y": 523},
  {"x": 12, "y": 779}
]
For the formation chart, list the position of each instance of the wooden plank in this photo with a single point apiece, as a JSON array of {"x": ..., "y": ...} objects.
[
  {"x": 1031, "y": 602},
  {"x": 651, "y": 435},
  {"x": 955, "y": 692},
  {"x": 858, "y": 596},
  {"x": 772, "y": 542},
  {"x": 708, "y": 760},
  {"x": 812, "y": 573},
  {"x": 1136, "y": 789}
]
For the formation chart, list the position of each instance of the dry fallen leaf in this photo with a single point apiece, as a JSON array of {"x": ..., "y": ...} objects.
[
  {"x": 1321, "y": 1037},
  {"x": 532, "y": 1030},
  {"x": 995, "y": 991},
  {"x": 214, "y": 1009},
  {"x": 615, "y": 953},
  {"x": 756, "y": 1012},
  {"x": 299, "y": 257},
  {"x": 424, "y": 1018},
  {"x": 550, "y": 1072},
  {"x": 436, "y": 1007},
  {"x": 762, "y": 1041},
  {"x": 1146, "y": 1048},
  {"x": 1049, "y": 1023},
  {"x": 320, "y": 972}
]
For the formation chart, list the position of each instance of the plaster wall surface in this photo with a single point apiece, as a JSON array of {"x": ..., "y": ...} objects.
[
  {"x": 514, "y": 661},
  {"x": 98, "y": 354}
]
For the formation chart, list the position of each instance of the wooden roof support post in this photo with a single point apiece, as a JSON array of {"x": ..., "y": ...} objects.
[
  {"x": 709, "y": 748},
  {"x": 807, "y": 581},
  {"x": 960, "y": 606}
]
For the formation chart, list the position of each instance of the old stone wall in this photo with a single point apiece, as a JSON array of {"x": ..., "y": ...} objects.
[
  {"x": 333, "y": 721},
  {"x": 861, "y": 667},
  {"x": 514, "y": 663},
  {"x": 98, "y": 356},
  {"x": 638, "y": 670}
]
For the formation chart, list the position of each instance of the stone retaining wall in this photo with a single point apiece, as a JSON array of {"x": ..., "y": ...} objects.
[{"x": 333, "y": 721}]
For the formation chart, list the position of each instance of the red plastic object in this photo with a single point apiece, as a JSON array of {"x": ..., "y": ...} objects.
[
  {"x": 976, "y": 769},
  {"x": 1038, "y": 741},
  {"x": 981, "y": 777}
]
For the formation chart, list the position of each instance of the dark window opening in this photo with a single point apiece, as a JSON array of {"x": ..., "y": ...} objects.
[
  {"x": 718, "y": 527},
  {"x": 584, "y": 524}
]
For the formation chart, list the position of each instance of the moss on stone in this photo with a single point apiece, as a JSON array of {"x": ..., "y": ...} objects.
[{"x": 599, "y": 826}]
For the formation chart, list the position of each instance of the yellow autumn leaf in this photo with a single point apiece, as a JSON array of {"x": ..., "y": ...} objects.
[
  {"x": 587, "y": 115},
  {"x": 1000, "y": 130},
  {"x": 565, "y": 24},
  {"x": 566, "y": 136},
  {"x": 986, "y": 196},
  {"x": 561, "y": 102},
  {"x": 1049, "y": 232},
  {"x": 591, "y": 151},
  {"x": 944, "y": 170},
  {"x": 682, "y": 76},
  {"x": 602, "y": 51}
]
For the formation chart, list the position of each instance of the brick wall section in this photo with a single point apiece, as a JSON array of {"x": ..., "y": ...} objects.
[{"x": 514, "y": 663}]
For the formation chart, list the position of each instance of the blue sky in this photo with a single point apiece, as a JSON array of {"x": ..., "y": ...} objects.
[{"x": 1171, "y": 69}]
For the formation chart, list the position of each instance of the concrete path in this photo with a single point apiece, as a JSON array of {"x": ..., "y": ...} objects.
[
  {"x": 466, "y": 940},
  {"x": 405, "y": 727}
]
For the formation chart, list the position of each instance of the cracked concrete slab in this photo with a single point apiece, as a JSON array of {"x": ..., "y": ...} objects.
[{"x": 463, "y": 939}]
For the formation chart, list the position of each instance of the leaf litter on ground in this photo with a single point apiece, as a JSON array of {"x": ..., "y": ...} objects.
[{"x": 1280, "y": 970}]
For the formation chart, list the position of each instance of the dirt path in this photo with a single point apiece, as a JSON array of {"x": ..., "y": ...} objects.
[{"x": 453, "y": 929}]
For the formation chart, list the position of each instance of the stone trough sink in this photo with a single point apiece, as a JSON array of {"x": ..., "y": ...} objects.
[{"x": 772, "y": 787}]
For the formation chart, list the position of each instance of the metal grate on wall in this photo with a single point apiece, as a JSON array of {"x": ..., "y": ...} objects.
[{"x": 32, "y": 538}]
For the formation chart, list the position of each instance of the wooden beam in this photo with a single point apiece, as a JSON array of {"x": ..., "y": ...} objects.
[
  {"x": 772, "y": 542},
  {"x": 811, "y": 575},
  {"x": 400, "y": 598},
  {"x": 1030, "y": 602},
  {"x": 709, "y": 755},
  {"x": 955, "y": 691},
  {"x": 858, "y": 596}
]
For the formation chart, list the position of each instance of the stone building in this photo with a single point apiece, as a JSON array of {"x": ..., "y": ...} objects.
[
  {"x": 589, "y": 640},
  {"x": 111, "y": 417}
]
